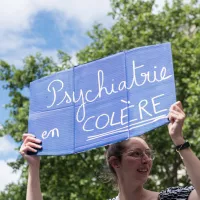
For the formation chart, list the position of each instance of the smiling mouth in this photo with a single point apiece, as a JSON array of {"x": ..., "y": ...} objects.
[{"x": 142, "y": 170}]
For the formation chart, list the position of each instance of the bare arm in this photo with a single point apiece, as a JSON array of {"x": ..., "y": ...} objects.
[
  {"x": 192, "y": 163},
  {"x": 33, "y": 186}
]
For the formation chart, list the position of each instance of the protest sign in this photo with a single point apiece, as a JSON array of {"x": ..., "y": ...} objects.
[{"x": 104, "y": 101}]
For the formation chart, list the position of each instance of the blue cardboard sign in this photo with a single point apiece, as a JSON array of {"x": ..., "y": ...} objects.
[{"x": 104, "y": 101}]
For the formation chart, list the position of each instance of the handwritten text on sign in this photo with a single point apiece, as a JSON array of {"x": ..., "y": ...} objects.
[{"x": 104, "y": 101}]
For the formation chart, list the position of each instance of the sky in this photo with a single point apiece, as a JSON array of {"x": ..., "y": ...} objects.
[{"x": 30, "y": 26}]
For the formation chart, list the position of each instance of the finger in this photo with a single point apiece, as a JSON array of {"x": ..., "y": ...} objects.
[
  {"x": 33, "y": 145},
  {"x": 179, "y": 104},
  {"x": 180, "y": 115},
  {"x": 176, "y": 108},
  {"x": 174, "y": 112},
  {"x": 25, "y": 135},
  {"x": 176, "y": 115},
  {"x": 32, "y": 139},
  {"x": 172, "y": 117},
  {"x": 28, "y": 148},
  {"x": 24, "y": 150}
]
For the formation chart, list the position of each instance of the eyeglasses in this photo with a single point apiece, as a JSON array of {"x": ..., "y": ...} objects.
[{"x": 138, "y": 154}]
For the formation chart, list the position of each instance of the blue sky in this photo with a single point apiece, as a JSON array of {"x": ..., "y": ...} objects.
[{"x": 27, "y": 27}]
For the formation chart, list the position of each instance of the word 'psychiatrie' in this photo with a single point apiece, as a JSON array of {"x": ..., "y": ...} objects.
[{"x": 104, "y": 101}]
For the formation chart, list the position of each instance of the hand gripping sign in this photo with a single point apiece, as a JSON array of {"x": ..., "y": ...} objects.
[{"x": 104, "y": 101}]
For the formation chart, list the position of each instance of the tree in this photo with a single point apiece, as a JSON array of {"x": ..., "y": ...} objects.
[
  {"x": 76, "y": 171},
  {"x": 136, "y": 24}
]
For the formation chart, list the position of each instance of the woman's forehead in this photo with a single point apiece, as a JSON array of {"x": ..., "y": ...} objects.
[{"x": 136, "y": 142}]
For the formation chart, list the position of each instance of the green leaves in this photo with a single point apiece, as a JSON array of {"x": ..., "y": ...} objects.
[{"x": 136, "y": 25}]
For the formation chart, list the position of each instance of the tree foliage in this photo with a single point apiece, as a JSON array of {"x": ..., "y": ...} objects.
[{"x": 136, "y": 23}]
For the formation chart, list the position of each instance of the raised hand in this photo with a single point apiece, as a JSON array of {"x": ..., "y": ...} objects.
[
  {"x": 176, "y": 117},
  {"x": 30, "y": 143}
]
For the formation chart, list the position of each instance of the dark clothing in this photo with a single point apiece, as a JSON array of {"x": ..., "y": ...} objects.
[
  {"x": 173, "y": 193},
  {"x": 176, "y": 193}
]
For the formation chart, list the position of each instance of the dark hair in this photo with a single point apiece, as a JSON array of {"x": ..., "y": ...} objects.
[{"x": 116, "y": 150}]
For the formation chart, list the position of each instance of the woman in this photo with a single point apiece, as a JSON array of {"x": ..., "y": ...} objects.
[{"x": 131, "y": 161}]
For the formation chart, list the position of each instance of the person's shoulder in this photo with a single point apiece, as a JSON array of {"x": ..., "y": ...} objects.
[{"x": 176, "y": 193}]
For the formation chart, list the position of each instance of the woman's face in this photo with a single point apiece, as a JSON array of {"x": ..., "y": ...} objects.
[{"x": 136, "y": 162}]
